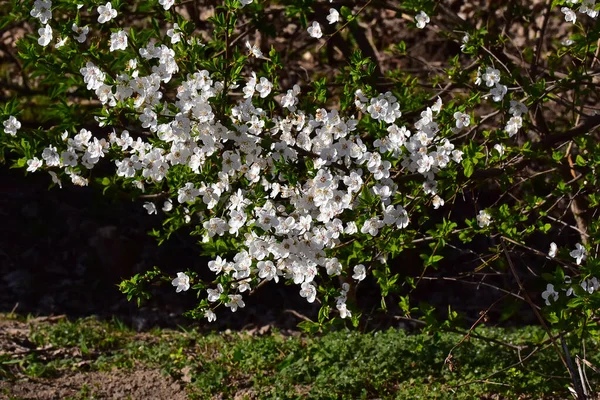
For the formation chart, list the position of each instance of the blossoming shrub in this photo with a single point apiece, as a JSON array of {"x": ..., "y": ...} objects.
[{"x": 322, "y": 179}]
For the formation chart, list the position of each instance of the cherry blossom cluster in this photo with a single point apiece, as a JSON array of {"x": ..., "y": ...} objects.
[
  {"x": 517, "y": 109},
  {"x": 287, "y": 229},
  {"x": 587, "y": 7},
  {"x": 289, "y": 234},
  {"x": 291, "y": 230},
  {"x": 314, "y": 30},
  {"x": 550, "y": 295},
  {"x": 579, "y": 253},
  {"x": 491, "y": 79},
  {"x": 288, "y": 225},
  {"x": 589, "y": 285},
  {"x": 82, "y": 150}
]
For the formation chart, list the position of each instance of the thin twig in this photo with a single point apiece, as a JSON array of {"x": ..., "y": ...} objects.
[
  {"x": 540, "y": 41},
  {"x": 298, "y": 315},
  {"x": 574, "y": 377},
  {"x": 344, "y": 25},
  {"x": 531, "y": 303}
]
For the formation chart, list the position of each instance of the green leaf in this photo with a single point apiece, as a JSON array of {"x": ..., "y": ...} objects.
[
  {"x": 323, "y": 313},
  {"x": 309, "y": 327},
  {"x": 576, "y": 302},
  {"x": 552, "y": 318},
  {"x": 346, "y": 13},
  {"x": 469, "y": 168}
]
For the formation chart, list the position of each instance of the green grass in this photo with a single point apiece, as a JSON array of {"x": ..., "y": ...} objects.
[{"x": 340, "y": 365}]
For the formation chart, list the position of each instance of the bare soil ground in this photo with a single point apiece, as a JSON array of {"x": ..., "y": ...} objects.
[{"x": 139, "y": 384}]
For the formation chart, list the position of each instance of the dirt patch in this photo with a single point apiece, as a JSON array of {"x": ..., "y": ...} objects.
[{"x": 139, "y": 384}]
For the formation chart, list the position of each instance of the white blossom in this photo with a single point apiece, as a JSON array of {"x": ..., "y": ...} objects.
[
  {"x": 167, "y": 205},
  {"x": 308, "y": 291},
  {"x": 483, "y": 219},
  {"x": 60, "y": 42},
  {"x": 437, "y": 202},
  {"x": 150, "y": 207},
  {"x": 465, "y": 40},
  {"x": 254, "y": 50},
  {"x": 80, "y": 33},
  {"x": 42, "y": 10},
  {"x": 590, "y": 285},
  {"x": 589, "y": 7},
  {"x": 34, "y": 164},
  {"x": 315, "y": 30},
  {"x": 499, "y": 148},
  {"x": 45, "y": 35},
  {"x": 491, "y": 76},
  {"x": 422, "y": 19},
  {"x": 188, "y": 193},
  {"x": 517, "y": 108},
  {"x": 174, "y": 33},
  {"x": 214, "y": 294},
  {"x": 344, "y": 312},
  {"x": 118, "y": 41},
  {"x": 498, "y": 92},
  {"x": 11, "y": 125},
  {"x": 166, "y": 3},
  {"x": 360, "y": 272},
  {"x": 210, "y": 315},
  {"x": 264, "y": 87},
  {"x": 55, "y": 178},
  {"x": 462, "y": 119},
  {"x": 235, "y": 302},
  {"x": 51, "y": 156},
  {"x": 182, "y": 282},
  {"x": 334, "y": 16},
  {"x": 552, "y": 251},
  {"x": 579, "y": 254},
  {"x": 106, "y": 13},
  {"x": 549, "y": 294},
  {"x": 570, "y": 15}
]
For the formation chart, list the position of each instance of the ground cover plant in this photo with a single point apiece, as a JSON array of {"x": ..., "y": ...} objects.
[
  {"x": 389, "y": 364},
  {"x": 304, "y": 145}
]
